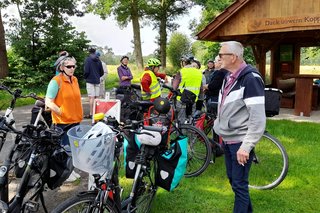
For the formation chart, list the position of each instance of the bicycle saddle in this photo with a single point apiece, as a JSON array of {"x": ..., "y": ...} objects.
[{"x": 136, "y": 86}]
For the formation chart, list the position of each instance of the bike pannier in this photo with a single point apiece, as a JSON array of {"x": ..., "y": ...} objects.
[
  {"x": 131, "y": 149},
  {"x": 172, "y": 164}
]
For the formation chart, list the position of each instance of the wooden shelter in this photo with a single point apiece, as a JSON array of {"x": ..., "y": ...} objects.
[{"x": 277, "y": 27}]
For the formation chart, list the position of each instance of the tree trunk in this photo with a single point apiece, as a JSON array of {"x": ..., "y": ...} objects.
[
  {"x": 4, "y": 68},
  {"x": 136, "y": 34},
  {"x": 163, "y": 40}
]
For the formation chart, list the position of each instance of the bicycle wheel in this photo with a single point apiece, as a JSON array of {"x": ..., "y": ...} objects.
[
  {"x": 84, "y": 202},
  {"x": 199, "y": 150},
  {"x": 146, "y": 190},
  {"x": 270, "y": 163}
]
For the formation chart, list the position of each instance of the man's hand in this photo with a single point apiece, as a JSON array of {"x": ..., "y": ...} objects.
[{"x": 242, "y": 156}]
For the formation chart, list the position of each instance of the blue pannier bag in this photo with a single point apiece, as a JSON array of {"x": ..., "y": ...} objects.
[
  {"x": 172, "y": 164},
  {"x": 131, "y": 149}
]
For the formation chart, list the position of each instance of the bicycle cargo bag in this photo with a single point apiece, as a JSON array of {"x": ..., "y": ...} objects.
[
  {"x": 60, "y": 165},
  {"x": 131, "y": 149},
  {"x": 21, "y": 157},
  {"x": 272, "y": 101},
  {"x": 188, "y": 97},
  {"x": 172, "y": 164}
]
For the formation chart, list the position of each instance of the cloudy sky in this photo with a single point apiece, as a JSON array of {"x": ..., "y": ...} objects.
[{"x": 107, "y": 33}]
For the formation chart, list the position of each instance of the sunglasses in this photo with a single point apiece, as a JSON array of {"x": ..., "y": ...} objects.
[{"x": 71, "y": 66}]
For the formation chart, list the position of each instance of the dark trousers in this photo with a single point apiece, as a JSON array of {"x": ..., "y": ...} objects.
[
  {"x": 238, "y": 177},
  {"x": 65, "y": 128}
]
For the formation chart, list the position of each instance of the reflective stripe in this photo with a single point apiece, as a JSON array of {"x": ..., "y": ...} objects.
[{"x": 155, "y": 90}]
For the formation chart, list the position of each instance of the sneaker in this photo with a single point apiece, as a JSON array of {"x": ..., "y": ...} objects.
[
  {"x": 87, "y": 116},
  {"x": 77, "y": 175},
  {"x": 71, "y": 178}
]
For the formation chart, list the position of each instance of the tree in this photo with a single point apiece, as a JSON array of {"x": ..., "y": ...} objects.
[
  {"x": 36, "y": 40},
  {"x": 163, "y": 13},
  {"x": 4, "y": 68},
  {"x": 124, "y": 12},
  {"x": 179, "y": 45}
]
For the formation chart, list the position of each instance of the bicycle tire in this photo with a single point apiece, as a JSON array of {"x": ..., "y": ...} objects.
[
  {"x": 82, "y": 202},
  {"x": 199, "y": 149},
  {"x": 270, "y": 165},
  {"x": 146, "y": 191}
]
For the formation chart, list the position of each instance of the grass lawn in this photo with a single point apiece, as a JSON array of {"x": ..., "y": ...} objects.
[
  {"x": 299, "y": 192},
  {"x": 211, "y": 192}
]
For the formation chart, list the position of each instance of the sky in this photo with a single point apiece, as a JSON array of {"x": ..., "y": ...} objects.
[{"x": 107, "y": 33}]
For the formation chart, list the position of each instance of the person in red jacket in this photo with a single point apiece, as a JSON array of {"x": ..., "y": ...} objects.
[{"x": 150, "y": 87}]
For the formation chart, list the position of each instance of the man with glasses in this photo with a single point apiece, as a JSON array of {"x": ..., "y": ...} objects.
[{"x": 241, "y": 119}]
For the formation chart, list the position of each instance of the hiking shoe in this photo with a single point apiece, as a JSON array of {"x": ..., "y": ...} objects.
[
  {"x": 87, "y": 116},
  {"x": 73, "y": 177},
  {"x": 77, "y": 175}
]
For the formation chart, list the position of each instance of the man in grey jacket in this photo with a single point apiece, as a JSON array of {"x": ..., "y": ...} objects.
[{"x": 241, "y": 119}]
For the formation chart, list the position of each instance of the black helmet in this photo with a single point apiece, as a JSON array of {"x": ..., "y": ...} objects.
[
  {"x": 123, "y": 57},
  {"x": 187, "y": 58},
  {"x": 162, "y": 105}
]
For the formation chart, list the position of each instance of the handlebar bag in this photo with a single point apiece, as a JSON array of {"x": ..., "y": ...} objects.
[{"x": 172, "y": 164}]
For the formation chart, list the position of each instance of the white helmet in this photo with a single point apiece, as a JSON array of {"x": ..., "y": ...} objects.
[{"x": 97, "y": 130}]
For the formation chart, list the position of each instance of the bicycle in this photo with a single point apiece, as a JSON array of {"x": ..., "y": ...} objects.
[
  {"x": 44, "y": 154},
  {"x": 106, "y": 195},
  {"x": 270, "y": 159},
  {"x": 128, "y": 97},
  {"x": 199, "y": 148},
  {"x": 16, "y": 94}
]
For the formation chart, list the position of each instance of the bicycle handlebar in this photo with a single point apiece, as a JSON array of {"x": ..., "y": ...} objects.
[{"x": 17, "y": 93}]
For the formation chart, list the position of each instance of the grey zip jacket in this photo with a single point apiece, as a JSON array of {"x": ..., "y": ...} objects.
[{"x": 242, "y": 117}]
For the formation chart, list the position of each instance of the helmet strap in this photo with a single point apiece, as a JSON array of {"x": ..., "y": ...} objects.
[{"x": 70, "y": 77}]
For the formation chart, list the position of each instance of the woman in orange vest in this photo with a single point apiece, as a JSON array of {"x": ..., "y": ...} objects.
[{"x": 63, "y": 98}]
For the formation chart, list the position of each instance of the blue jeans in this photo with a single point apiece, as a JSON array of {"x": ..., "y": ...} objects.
[{"x": 238, "y": 177}]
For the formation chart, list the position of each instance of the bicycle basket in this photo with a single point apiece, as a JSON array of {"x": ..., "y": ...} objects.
[{"x": 92, "y": 154}]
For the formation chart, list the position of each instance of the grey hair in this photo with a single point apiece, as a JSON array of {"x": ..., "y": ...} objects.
[
  {"x": 66, "y": 59},
  {"x": 216, "y": 59},
  {"x": 234, "y": 47}
]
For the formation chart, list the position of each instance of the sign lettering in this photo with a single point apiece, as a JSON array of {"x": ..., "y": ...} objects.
[{"x": 283, "y": 22}]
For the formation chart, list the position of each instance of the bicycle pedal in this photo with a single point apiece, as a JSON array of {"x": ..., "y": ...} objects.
[{"x": 32, "y": 206}]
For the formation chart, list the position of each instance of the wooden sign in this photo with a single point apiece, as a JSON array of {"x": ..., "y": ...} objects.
[{"x": 283, "y": 22}]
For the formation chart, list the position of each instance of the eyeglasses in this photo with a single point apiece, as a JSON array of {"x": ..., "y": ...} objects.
[
  {"x": 71, "y": 66},
  {"x": 222, "y": 54}
]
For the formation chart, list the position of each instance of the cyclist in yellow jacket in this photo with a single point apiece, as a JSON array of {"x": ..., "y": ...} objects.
[
  {"x": 150, "y": 87},
  {"x": 188, "y": 78}
]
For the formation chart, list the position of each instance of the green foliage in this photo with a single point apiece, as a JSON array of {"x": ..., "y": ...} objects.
[
  {"x": 36, "y": 40},
  {"x": 179, "y": 45},
  {"x": 212, "y": 8}
]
